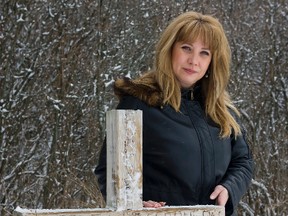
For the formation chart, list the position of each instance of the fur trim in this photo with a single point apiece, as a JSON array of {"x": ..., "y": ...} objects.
[{"x": 149, "y": 93}]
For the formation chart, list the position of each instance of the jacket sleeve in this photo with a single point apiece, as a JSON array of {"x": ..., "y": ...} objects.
[
  {"x": 239, "y": 174},
  {"x": 100, "y": 170}
]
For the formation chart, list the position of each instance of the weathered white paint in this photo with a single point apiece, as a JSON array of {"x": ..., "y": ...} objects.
[
  {"x": 164, "y": 211},
  {"x": 124, "y": 176},
  {"x": 124, "y": 159}
]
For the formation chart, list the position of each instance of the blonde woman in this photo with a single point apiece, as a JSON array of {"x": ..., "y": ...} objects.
[{"x": 194, "y": 150}]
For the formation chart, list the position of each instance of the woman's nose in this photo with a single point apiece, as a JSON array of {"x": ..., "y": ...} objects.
[{"x": 192, "y": 59}]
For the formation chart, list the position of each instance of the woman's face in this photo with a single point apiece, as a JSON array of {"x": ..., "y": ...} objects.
[{"x": 190, "y": 62}]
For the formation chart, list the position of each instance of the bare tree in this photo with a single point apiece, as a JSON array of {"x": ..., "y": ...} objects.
[{"x": 58, "y": 60}]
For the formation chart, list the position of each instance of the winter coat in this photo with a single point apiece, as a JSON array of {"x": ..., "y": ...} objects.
[{"x": 184, "y": 157}]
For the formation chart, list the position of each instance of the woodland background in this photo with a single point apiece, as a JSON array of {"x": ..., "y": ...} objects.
[{"x": 58, "y": 59}]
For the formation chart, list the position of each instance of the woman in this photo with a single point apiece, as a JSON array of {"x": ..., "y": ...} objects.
[{"x": 194, "y": 150}]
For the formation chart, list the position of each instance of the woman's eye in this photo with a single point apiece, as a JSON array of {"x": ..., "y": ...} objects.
[
  {"x": 186, "y": 48},
  {"x": 205, "y": 53}
]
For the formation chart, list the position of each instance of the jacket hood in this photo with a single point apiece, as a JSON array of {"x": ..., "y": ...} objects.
[{"x": 148, "y": 92}]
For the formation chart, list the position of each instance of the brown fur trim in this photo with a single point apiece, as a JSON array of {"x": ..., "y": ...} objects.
[{"x": 149, "y": 93}]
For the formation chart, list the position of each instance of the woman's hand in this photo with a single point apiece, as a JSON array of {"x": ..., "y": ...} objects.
[
  {"x": 153, "y": 204},
  {"x": 221, "y": 195}
]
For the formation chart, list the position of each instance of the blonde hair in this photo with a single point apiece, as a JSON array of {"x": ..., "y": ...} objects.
[{"x": 187, "y": 28}]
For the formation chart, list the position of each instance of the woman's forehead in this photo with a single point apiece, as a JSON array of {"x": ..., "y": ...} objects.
[
  {"x": 196, "y": 34},
  {"x": 191, "y": 41}
]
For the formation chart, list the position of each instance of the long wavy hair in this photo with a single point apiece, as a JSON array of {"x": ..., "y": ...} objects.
[{"x": 187, "y": 28}]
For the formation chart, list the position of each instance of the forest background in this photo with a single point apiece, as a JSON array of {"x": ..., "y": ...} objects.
[{"x": 58, "y": 61}]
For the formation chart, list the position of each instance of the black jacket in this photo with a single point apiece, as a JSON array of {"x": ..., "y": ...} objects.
[{"x": 184, "y": 157}]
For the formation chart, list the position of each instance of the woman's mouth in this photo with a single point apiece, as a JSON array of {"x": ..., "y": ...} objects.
[{"x": 189, "y": 71}]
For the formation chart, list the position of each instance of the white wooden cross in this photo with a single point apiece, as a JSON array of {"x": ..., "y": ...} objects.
[{"x": 124, "y": 176}]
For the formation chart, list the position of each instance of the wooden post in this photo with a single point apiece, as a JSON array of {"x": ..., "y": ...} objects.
[
  {"x": 124, "y": 176},
  {"x": 164, "y": 211},
  {"x": 124, "y": 159}
]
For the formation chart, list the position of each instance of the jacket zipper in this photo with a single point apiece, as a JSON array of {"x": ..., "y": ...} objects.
[
  {"x": 192, "y": 95},
  {"x": 200, "y": 143}
]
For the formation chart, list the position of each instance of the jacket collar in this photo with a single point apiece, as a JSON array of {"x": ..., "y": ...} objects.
[
  {"x": 149, "y": 93},
  {"x": 192, "y": 93}
]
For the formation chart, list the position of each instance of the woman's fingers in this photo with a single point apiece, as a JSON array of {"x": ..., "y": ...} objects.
[
  {"x": 221, "y": 195},
  {"x": 153, "y": 204}
]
